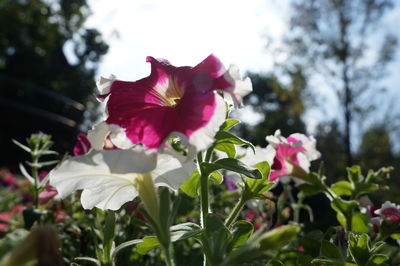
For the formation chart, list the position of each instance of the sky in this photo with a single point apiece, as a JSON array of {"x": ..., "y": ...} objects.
[{"x": 185, "y": 32}]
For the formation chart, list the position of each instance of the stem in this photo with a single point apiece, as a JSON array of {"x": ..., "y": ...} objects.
[
  {"x": 208, "y": 154},
  {"x": 35, "y": 175},
  {"x": 204, "y": 207},
  {"x": 235, "y": 212},
  {"x": 204, "y": 198},
  {"x": 296, "y": 214},
  {"x": 168, "y": 255}
]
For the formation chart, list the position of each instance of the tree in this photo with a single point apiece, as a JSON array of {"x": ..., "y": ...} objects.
[
  {"x": 337, "y": 40},
  {"x": 280, "y": 104},
  {"x": 40, "y": 88}
]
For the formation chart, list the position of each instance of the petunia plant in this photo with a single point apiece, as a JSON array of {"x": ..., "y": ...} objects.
[{"x": 163, "y": 179}]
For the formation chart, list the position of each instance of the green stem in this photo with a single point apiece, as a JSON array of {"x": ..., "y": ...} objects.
[
  {"x": 168, "y": 255},
  {"x": 209, "y": 154},
  {"x": 204, "y": 207},
  {"x": 296, "y": 214},
  {"x": 235, "y": 212},
  {"x": 204, "y": 198},
  {"x": 35, "y": 175}
]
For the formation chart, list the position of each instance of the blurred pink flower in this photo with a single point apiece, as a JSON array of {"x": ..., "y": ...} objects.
[
  {"x": 293, "y": 155},
  {"x": 6, "y": 216},
  {"x": 7, "y": 179},
  {"x": 173, "y": 101},
  {"x": 49, "y": 193},
  {"x": 389, "y": 212}
]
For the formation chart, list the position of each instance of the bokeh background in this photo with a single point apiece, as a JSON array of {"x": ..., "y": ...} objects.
[{"x": 329, "y": 68}]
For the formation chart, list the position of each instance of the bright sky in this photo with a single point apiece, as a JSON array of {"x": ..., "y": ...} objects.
[{"x": 186, "y": 31}]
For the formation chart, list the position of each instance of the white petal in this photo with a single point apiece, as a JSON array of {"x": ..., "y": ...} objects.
[
  {"x": 204, "y": 137},
  {"x": 104, "y": 84},
  {"x": 303, "y": 162},
  {"x": 118, "y": 137},
  {"x": 117, "y": 195},
  {"x": 262, "y": 154},
  {"x": 170, "y": 172},
  {"x": 310, "y": 144},
  {"x": 106, "y": 176},
  {"x": 241, "y": 87},
  {"x": 98, "y": 134},
  {"x": 276, "y": 139}
]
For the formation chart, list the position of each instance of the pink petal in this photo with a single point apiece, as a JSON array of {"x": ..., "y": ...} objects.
[
  {"x": 82, "y": 146},
  {"x": 146, "y": 108}
]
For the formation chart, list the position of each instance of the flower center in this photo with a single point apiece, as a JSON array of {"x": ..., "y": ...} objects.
[{"x": 169, "y": 92}]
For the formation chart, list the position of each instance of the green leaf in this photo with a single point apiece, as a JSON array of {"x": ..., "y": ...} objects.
[
  {"x": 231, "y": 164},
  {"x": 395, "y": 236},
  {"x": 25, "y": 173},
  {"x": 149, "y": 243},
  {"x": 359, "y": 223},
  {"x": 215, "y": 239},
  {"x": 216, "y": 177},
  {"x": 125, "y": 245},
  {"x": 326, "y": 261},
  {"x": 22, "y": 146},
  {"x": 344, "y": 206},
  {"x": 241, "y": 231},
  {"x": 89, "y": 259},
  {"x": 256, "y": 187},
  {"x": 228, "y": 148},
  {"x": 191, "y": 186},
  {"x": 377, "y": 259},
  {"x": 228, "y": 123},
  {"x": 359, "y": 248},
  {"x": 12, "y": 240},
  {"x": 309, "y": 189},
  {"x": 342, "y": 188},
  {"x": 109, "y": 232},
  {"x": 329, "y": 250},
  {"x": 275, "y": 262},
  {"x": 226, "y": 137},
  {"x": 278, "y": 237},
  {"x": 354, "y": 174},
  {"x": 184, "y": 231}
]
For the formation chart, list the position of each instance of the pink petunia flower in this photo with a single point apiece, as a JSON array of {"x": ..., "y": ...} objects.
[
  {"x": 48, "y": 194},
  {"x": 389, "y": 212},
  {"x": 172, "y": 100},
  {"x": 293, "y": 155},
  {"x": 7, "y": 179},
  {"x": 82, "y": 145},
  {"x": 6, "y": 216}
]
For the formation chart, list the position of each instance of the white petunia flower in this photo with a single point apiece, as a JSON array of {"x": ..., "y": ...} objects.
[{"x": 110, "y": 178}]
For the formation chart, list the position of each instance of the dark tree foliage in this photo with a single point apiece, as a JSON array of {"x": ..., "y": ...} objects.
[
  {"x": 330, "y": 142},
  {"x": 280, "y": 104},
  {"x": 344, "y": 43},
  {"x": 40, "y": 88}
]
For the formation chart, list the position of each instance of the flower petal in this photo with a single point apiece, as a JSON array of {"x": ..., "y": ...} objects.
[
  {"x": 170, "y": 171},
  {"x": 204, "y": 137},
  {"x": 171, "y": 99},
  {"x": 104, "y": 85},
  {"x": 105, "y": 176},
  {"x": 98, "y": 134},
  {"x": 241, "y": 87}
]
